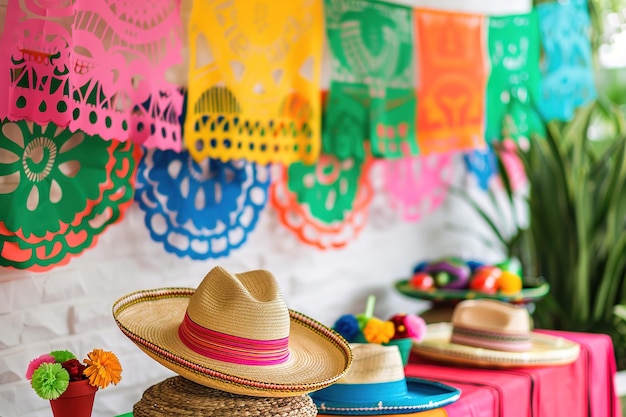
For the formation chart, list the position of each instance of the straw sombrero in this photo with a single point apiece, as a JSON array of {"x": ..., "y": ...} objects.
[
  {"x": 177, "y": 396},
  {"x": 234, "y": 333},
  {"x": 375, "y": 384},
  {"x": 493, "y": 333}
]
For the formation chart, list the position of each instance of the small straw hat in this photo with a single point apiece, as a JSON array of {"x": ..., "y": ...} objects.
[
  {"x": 234, "y": 333},
  {"x": 177, "y": 396},
  {"x": 375, "y": 384},
  {"x": 493, "y": 333},
  {"x": 492, "y": 325}
]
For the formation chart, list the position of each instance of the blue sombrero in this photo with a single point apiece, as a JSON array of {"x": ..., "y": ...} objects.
[{"x": 375, "y": 384}]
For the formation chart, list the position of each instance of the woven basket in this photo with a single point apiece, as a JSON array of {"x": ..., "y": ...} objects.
[{"x": 178, "y": 396}]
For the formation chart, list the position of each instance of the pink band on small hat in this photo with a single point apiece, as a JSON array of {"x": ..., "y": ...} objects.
[
  {"x": 232, "y": 349},
  {"x": 491, "y": 340}
]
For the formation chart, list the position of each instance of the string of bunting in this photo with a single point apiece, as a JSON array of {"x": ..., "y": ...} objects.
[{"x": 102, "y": 109}]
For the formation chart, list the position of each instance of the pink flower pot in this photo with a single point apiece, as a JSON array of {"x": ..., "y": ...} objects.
[{"x": 76, "y": 401}]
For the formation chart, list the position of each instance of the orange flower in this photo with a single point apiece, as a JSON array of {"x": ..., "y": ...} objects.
[
  {"x": 378, "y": 331},
  {"x": 103, "y": 368}
]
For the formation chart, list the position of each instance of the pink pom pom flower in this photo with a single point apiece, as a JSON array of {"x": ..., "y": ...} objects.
[
  {"x": 415, "y": 327},
  {"x": 35, "y": 363}
]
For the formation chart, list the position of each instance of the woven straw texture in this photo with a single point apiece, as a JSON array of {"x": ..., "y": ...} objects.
[
  {"x": 177, "y": 396},
  {"x": 373, "y": 364},
  {"x": 249, "y": 306},
  {"x": 252, "y": 308}
]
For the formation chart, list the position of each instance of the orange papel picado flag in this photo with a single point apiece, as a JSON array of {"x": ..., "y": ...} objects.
[{"x": 452, "y": 80}]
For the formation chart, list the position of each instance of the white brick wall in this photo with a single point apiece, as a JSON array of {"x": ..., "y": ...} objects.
[{"x": 70, "y": 307}]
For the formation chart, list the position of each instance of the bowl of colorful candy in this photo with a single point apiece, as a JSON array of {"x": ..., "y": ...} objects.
[{"x": 452, "y": 279}]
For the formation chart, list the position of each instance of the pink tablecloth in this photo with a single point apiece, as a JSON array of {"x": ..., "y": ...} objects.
[{"x": 584, "y": 388}]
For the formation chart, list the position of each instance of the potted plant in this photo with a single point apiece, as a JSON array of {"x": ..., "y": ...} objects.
[
  {"x": 577, "y": 227},
  {"x": 70, "y": 385}
]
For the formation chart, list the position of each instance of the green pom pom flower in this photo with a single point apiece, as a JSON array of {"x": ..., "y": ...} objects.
[
  {"x": 50, "y": 380},
  {"x": 62, "y": 355}
]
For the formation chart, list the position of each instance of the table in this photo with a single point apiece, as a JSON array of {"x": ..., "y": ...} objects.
[{"x": 585, "y": 388}]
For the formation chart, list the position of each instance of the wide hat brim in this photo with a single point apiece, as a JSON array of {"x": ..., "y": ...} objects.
[
  {"x": 546, "y": 350},
  {"x": 318, "y": 356},
  {"x": 421, "y": 395}
]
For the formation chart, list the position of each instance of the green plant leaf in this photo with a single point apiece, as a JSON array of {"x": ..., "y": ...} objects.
[
  {"x": 607, "y": 294},
  {"x": 477, "y": 234},
  {"x": 484, "y": 215},
  {"x": 620, "y": 311}
]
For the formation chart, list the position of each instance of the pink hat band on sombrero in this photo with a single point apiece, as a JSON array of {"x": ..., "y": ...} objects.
[
  {"x": 229, "y": 348},
  {"x": 491, "y": 340}
]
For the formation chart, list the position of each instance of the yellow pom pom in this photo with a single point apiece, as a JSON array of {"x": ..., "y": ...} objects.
[{"x": 378, "y": 331}]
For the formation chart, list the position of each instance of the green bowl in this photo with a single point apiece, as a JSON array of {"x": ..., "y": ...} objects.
[{"x": 534, "y": 289}]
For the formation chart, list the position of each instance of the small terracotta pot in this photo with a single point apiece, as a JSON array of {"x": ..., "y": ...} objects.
[{"x": 76, "y": 401}]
